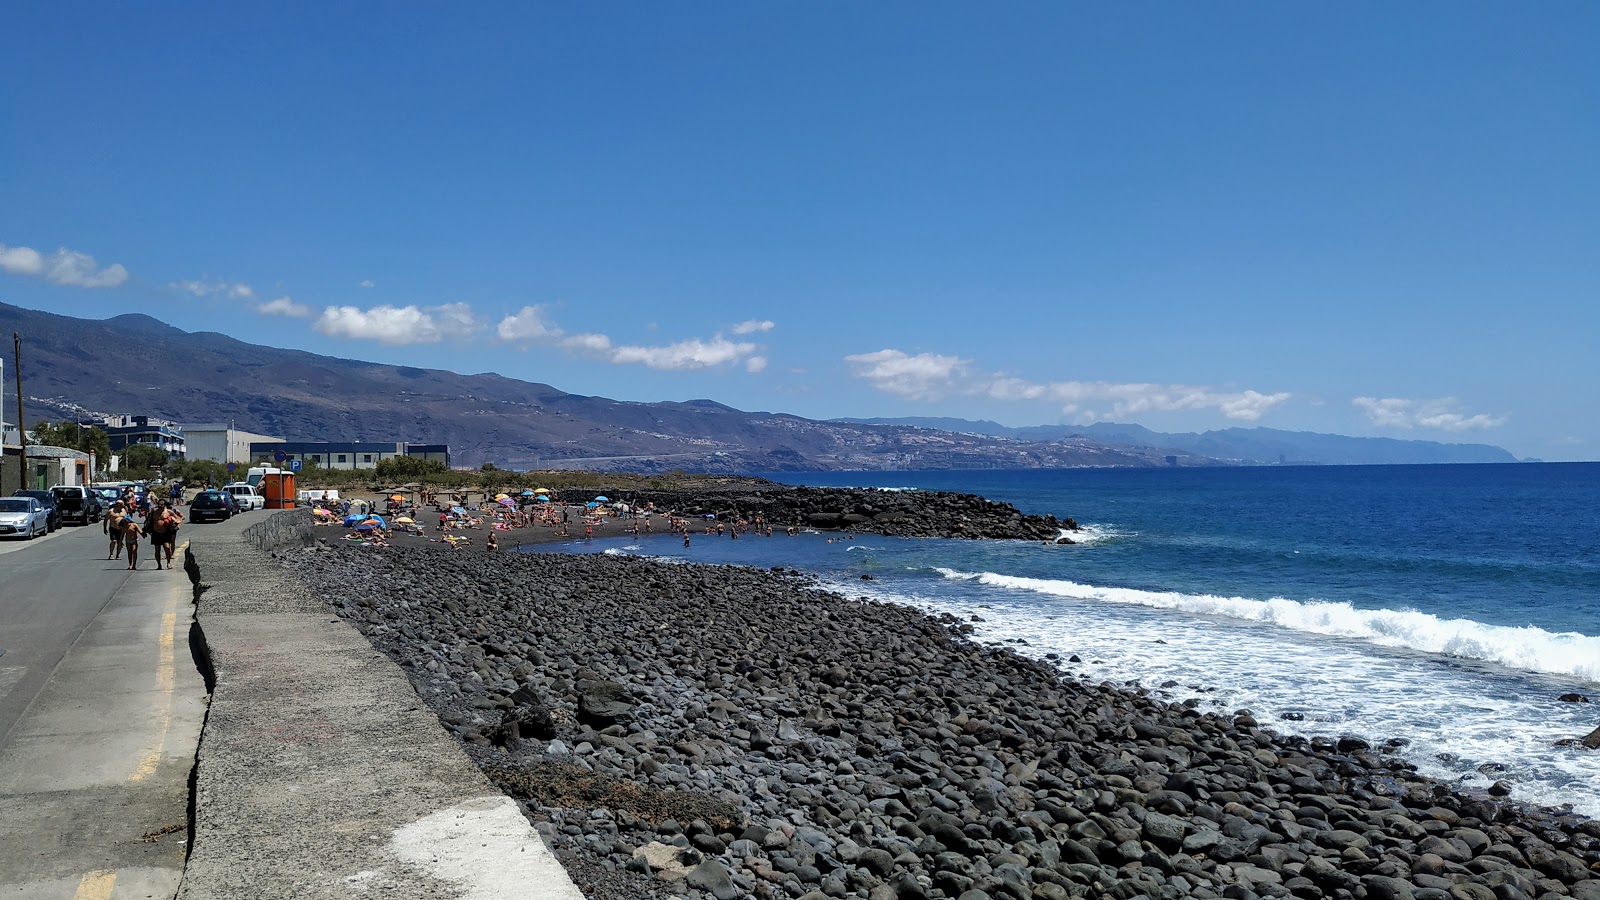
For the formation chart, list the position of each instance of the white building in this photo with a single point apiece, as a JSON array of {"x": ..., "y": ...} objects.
[
  {"x": 221, "y": 442},
  {"x": 50, "y": 466}
]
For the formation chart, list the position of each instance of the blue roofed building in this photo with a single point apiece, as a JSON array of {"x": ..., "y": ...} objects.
[{"x": 345, "y": 455}]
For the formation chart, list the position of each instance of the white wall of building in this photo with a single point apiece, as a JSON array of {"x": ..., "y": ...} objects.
[{"x": 221, "y": 443}]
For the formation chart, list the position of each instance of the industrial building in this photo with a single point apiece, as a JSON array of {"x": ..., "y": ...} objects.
[
  {"x": 221, "y": 442},
  {"x": 345, "y": 455}
]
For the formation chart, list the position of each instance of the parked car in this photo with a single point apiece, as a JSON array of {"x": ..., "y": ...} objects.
[
  {"x": 207, "y": 505},
  {"x": 49, "y": 501},
  {"x": 78, "y": 504},
  {"x": 245, "y": 495},
  {"x": 23, "y": 515}
]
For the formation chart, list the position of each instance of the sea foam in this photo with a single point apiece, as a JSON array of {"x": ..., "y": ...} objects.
[{"x": 1531, "y": 649}]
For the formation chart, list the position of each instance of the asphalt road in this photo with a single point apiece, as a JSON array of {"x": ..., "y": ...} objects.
[{"x": 100, "y": 714}]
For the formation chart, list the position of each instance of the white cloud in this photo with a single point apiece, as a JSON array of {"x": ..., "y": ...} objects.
[
  {"x": 68, "y": 267},
  {"x": 283, "y": 306},
  {"x": 527, "y": 323},
  {"x": 753, "y": 325},
  {"x": 1121, "y": 400},
  {"x": 368, "y": 283},
  {"x": 593, "y": 343},
  {"x": 684, "y": 356},
  {"x": 21, "y": 260},
  {"x": 399, "y": 324},
  {"x": 1441, "y": 414},
  {"x": 531, "y": 324},
  {"x": 925, "y": 376},
  {"x": 931, "y": 376},
  {"x": 234, "y": 290}
]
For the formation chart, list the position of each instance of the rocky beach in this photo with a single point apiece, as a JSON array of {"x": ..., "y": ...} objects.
[{"x": 715, "y": 731}]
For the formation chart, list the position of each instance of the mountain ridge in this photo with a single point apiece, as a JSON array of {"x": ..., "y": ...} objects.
[
  {"x": 490, "y": 417},
  {"x": 484, "y": 418},
  {"x": 1251, "y": 446}
]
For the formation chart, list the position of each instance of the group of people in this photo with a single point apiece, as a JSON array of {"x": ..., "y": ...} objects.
[{"x": 123, "y": 528}]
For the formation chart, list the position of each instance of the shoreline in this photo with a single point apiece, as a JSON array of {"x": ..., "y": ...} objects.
[{"x": 779, "y": 704}]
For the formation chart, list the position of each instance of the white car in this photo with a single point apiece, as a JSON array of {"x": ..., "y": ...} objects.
[
  {"x": 25, "y": 516},
  {"x": 245, "y": 495}
]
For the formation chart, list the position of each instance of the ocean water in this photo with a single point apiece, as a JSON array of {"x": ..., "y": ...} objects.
[{"x": 1445, "y": 606}]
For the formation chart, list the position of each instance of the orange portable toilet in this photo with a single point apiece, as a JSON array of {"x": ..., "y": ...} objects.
[{"x": 278, "y": 488}]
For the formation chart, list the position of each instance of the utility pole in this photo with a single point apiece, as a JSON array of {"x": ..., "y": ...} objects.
[{"x": 22, "y": 431}]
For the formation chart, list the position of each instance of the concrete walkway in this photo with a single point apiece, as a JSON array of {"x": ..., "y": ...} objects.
[{"x": 321, "y": 773}]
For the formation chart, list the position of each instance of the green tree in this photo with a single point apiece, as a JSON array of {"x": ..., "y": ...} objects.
[
  {"x": 409, "y": 468},
  {"x": 201, "y": 471},
  {"x": 86, "y": 438},
  {"x": 142, "y": 457}
]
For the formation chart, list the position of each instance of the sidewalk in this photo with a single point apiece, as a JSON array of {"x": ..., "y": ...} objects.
[{"x": 321, "y": 773}]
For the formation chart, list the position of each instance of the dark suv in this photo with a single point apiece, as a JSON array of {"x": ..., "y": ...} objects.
[
  {"x": 218, "y": 505},
  {"x": 52, "y": 508},
  {"x": 79, "y": 504}
]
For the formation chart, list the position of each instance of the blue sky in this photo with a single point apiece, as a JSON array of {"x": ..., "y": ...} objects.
[{"x": 1359, "y": 218}]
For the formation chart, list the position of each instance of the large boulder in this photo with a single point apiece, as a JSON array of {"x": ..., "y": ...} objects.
[{"x": 603, "y": 703}]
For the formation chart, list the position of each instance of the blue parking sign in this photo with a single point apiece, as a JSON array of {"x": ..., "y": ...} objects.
[{"x": 294, "y": 465}]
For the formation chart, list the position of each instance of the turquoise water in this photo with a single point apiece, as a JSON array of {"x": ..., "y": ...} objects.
[{"x": 1445, "y": 605}]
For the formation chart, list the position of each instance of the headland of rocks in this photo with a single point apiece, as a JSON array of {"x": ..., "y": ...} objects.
[
  {"x": 859, "y": 510},
  {"x": 714, "y": 731}
]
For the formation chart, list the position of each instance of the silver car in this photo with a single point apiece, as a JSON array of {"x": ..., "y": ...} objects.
[{"x": 23, "y": 515}]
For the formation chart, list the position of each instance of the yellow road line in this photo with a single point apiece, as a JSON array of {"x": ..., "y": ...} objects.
[
  {"x": 96, "y": 885},
  {"x": 164, "y": 676}
]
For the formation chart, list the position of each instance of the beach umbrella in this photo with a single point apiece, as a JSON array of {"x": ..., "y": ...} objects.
[
  {"x": 542, "y": 499},
  {"x": 507, "y": 501},
  {"x": 527, "y": 493},
  {"x": 602, "y": 499},
  {"x": 397, "y": 498},
  {"x": 593, "y": 504},
  {"x": 543, "y": 491},
  {"x": 502, "y": 496}
]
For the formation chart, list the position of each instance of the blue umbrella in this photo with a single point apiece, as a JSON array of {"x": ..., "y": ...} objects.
[
  {"x": 542, "y": 498},
  {"x": 593, "y": 504},
  {"x": 602, "y": 499},
  {"x": 527, "y": 493}
]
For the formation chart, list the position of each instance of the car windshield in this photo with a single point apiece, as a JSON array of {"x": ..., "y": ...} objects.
[{"x": 13, "y": 504}]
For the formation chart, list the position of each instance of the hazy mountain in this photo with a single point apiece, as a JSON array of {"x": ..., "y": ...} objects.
[
  {"x": 1250, "y": 446},
  {"x": 137, "y": 365}
]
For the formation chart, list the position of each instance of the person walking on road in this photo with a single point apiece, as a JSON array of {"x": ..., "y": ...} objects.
[
  {"x": 112, "y": 526},
  {"x": 163, "y": 528},
  {"x": 131, "y": 532}
]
